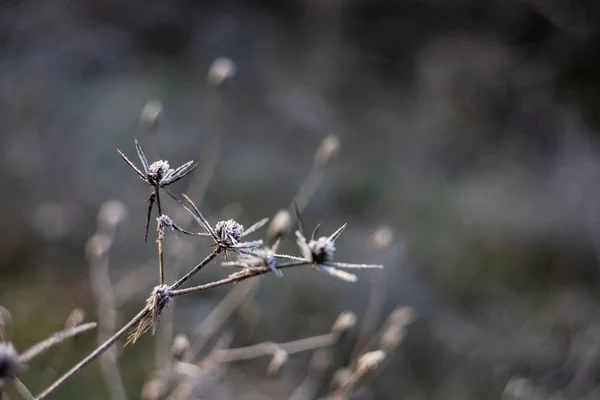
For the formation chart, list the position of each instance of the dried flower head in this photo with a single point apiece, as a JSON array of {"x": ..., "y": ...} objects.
[
  {"x": 164, "y": 223},
  {"x": 228, "y": 234},
  {"x": 150, "y": 114},
  {"x": 280, "y": 225},
  {"x": 158, "y": 175},
  {"x": 319, "y": 253},
  {"x": 10, "y": 363},
  {"x": 257, "y": 258},
  {"x": 370, "y": 361},
  {"x": 111, "y": 213},
  {"x": 279, "y": 358},
  {"x": 181, "y": 344},
  {"x": 155, "y": 305},
  {"x": 97, "y": 245},
  {"x": 221, "y": 71},
  {"x": 345, "y": 321},
  {"x": 327, "y": 150}
]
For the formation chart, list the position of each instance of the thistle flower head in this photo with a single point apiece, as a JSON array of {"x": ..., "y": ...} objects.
[
  {"x": 257, "y": 258},
  {"x": 157, "y": 172},
  {"x": 10, "y": 363},
  {"x": 229, "y": 232},
  {"x": 319, "y": 252},
  {"x": 155, "y": 305},
  {"x": 322, "y": 249}
]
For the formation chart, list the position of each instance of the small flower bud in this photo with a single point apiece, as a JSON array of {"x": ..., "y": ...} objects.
[
  {"x": 75, "y": 318},
  {"x": 280, "y": 225},
  {"x": 391, "y": 338},
  {"x": 401, "y": 316},
  {"x": 181, "y": 344},
  {"x": 280, "y": 357},
  {"x": 97, "y": 246},
  {"x": 111, "y": 213},
  {"x": 327, "y": 150},
  {"x": 345, "y": 321},
  {"x": 370, "y": 361},
  {"x": 221, "y": 71},
  {"x": 151, "y": 113},
  {"x": 381, "y": 239}
]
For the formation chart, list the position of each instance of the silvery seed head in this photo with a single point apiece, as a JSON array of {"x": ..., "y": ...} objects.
[
  {"x": 157, "y": 171},
  {"x": 322, "y": 249},
  {"x": 229, "y": 232},
  {"x": 9, "y": 363}
]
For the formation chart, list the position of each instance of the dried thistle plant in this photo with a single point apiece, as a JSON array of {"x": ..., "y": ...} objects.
[
  {"x": 228, "y": 238},
  {"x": 158, "y": 175}
]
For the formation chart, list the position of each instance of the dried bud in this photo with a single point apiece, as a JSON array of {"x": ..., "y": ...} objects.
[
  {"x": 111, "y": 213},
  {"x": 381, "y": 239},
  {"x": 345, "y": 321},
  {"x": 327, "y": 150},
  {"x": 150, "y": 114},
  {"x": 280, "y": 225},
  {"x": 154, "y": 389},
  {"x": 181, "y": 344},
  {"x": 280, "y": 357},
  {"x": 401, "y": 316},
  {"x": 10, "y": 363},
  {"x": 391, "y": 338},
  {"x": 97, "y": 245},
  {"x": 229, "y": 232},
  {"x": 341, "y": 377},
  {"x": 370, "y": 361},
  {"x": 75, "y": 318},
  {"x": 221, "y": 71}
]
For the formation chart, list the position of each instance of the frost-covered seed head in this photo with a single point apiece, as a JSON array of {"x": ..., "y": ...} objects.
[
  {"x": 157, "y": 171},
  {"x": 229, "y": 232},
  {"x": 164, "y": 222},
  {"x": 9, "y": 363},
  {"x": 322, "y": 249}
]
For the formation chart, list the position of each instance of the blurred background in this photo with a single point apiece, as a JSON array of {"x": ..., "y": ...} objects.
[{"x": 469, "y": 129}]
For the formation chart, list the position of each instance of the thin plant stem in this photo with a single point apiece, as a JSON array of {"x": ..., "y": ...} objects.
[
  {"x": 269, "y": 348},
  {"x": 53, "y": 340},
  {"x": 197, "y": 268},
  {"x": 93, "y": 355},
  {"x": 159, "y": 241},
  {"x": 233, "y": 278}
]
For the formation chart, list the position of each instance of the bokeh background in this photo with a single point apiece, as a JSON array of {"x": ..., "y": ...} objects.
[{"x": 470, "y": 128}]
